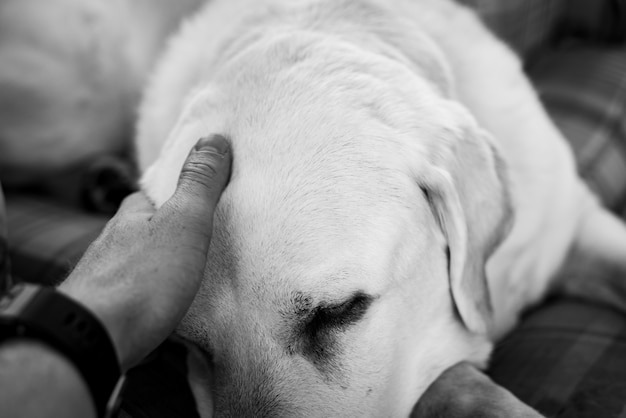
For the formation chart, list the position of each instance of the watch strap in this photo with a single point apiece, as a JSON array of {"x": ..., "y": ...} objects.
[{"x": 49, "y": 316}]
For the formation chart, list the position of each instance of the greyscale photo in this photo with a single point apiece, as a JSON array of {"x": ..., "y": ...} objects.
[{"x": 313, "y": 208}]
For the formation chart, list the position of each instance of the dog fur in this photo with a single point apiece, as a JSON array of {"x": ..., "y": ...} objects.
[
  {"x": 71, "y": 77},
  {"x": 398, "y": 196}
]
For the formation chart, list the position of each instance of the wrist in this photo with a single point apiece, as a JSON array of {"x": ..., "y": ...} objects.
[
  {"x": 42, "y": 314},
  {"x": 111, "y": 314}
]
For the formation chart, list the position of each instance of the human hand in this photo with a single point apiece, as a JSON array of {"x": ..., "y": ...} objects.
[
  {"x": 464, "y": 391},
  {"x": 141, "y": 275}
]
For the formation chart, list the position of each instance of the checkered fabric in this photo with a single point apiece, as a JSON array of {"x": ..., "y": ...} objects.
[
  {"x": 46, "y": 238},
  {"x": 526, "y": 25},
  {"x": 566, "y": 359},
  {"x": 585, "y": 91}
]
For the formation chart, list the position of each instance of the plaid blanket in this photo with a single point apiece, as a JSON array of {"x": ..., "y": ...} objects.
[
  {"x": 566, "y": 359},
  {"x": 527, "y": 26},
  {"x": 584, "y": 89}
]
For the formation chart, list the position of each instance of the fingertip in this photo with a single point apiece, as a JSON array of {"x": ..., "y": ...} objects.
[
  {"x": 204, "y": 174},
  {"x": 207, "y": 167},
  {"x": 214, "y": 143}
]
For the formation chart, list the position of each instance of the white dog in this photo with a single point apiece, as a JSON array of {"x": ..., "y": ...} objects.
[
  {"x": 382, "y": 152},
  {"x": 71, "y": 76}
]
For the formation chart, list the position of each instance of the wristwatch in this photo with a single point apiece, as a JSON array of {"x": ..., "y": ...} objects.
[{"x": 46, "y": 315}]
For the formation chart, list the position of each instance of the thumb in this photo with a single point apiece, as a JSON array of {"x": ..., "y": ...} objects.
[{"x": 204, "y": 176}]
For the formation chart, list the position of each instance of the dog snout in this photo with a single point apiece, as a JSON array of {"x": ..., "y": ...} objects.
[{"x": 250, "y": 393}]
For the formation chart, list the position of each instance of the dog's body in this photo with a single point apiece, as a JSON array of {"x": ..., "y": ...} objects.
[
  {"x": 71, "y": 77},
  {"x": 360, "y": 162}
]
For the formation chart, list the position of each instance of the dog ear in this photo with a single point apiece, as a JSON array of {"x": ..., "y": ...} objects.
[{"x": 465, "y": 184}]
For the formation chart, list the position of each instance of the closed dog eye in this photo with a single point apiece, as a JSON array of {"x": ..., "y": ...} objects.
[
  {"x": 321, "y": 327},
  {"x": 329, "y": 317},
  {"x": 315, "y": 328}
]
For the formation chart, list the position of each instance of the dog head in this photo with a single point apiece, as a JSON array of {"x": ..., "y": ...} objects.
[{"x": 346, "y": 269}]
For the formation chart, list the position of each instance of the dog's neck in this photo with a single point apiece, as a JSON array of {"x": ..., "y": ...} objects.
[{"x": 368, "y": 26}]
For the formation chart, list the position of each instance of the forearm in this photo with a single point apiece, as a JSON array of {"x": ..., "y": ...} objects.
[
  {"x": 39, "y": 382},
  {"x": 137, "y": 279}
]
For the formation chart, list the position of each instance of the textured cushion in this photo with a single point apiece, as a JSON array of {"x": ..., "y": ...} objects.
[
  {"x": 585, "y": 92},
  {"x": 526, "y": 25},
  {"x": 567, "y": 359},
  {"x": 47, "y": 238}
]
